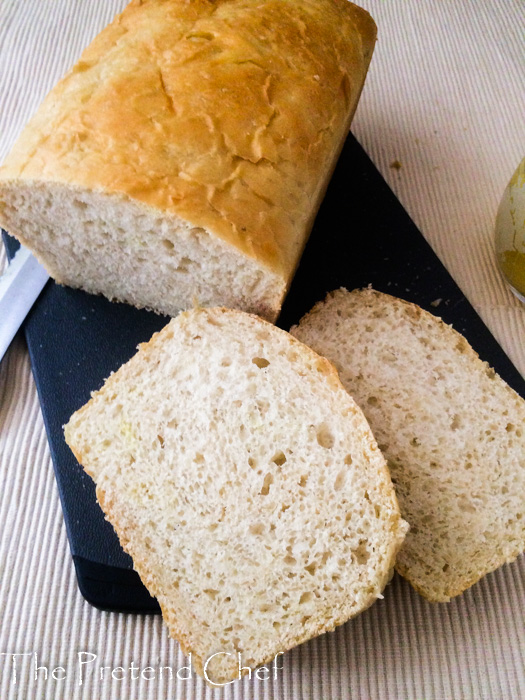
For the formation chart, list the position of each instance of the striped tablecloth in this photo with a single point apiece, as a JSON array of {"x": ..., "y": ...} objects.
[{"x": 445, "y": 100}]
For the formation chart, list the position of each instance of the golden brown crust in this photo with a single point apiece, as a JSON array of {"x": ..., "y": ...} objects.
[{"x": 228, "y": 114}]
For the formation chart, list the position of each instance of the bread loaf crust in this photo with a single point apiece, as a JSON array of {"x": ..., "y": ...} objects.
[{"x": 227, "y": 114}]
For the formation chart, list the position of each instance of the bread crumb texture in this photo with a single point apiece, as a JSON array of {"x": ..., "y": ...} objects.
[
  {"x": 245, "y": 483},
  {"x": 452, "y": 431},
  {"x": 188, "y": 149}
]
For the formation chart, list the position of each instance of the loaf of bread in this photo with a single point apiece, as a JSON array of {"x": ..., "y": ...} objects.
[
  {"x": 185, "y": 155},
  {"x": 246, "y": 485},
  {"x": 452, "y": 430}
]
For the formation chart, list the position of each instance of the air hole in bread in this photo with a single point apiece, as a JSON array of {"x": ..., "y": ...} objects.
[
  {"x": 256, "y": 529},
  {"x": 339, "y": 480},
  {"x": 261, "y": 362},
  {"x": 306, "y": 597},
  {"x": 325, "y": 437},
  {"x": 262, "y": 407},
  {"x": 456, "y": 422},
  {"x": 185, "y": 264},
  {"x": 361, "y": 553},
  {"x": 311, "y": 568},
  {"x": 268, "y": 481},
  {"x": 279, "y": 458},
  {"x": 169, "y": 245}
]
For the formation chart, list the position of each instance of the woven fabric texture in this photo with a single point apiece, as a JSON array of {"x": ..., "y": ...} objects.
[{"x": 442, "y": 117}]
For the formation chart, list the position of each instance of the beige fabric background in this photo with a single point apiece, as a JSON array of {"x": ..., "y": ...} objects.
[{"x": 446, "y": 98}]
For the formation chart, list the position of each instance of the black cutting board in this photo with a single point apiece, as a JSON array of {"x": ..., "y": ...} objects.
[{"x": 362, "y": 235}]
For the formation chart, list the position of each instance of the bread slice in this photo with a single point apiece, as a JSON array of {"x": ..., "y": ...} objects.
[
  {"x": 246, "y": 485},
  {"x": 452, "y": 431},
  {"x": 185, "y": 155}
]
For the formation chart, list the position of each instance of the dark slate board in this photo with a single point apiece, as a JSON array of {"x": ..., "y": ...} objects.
[{"x": 362, "y": 235}]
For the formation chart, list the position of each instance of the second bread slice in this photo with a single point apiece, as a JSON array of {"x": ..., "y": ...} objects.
[
  {"x": 451, "y": 429},
  {"x": 246, "y": 485}
]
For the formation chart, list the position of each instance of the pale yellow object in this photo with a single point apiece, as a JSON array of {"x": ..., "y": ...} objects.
[{"x": 510, "y": 232}]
